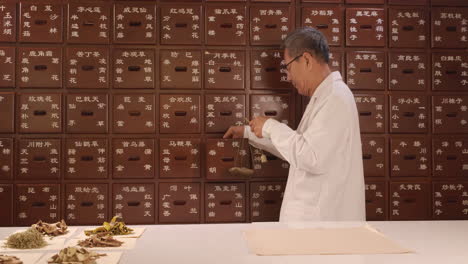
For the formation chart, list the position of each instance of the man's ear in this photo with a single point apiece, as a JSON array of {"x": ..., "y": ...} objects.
[{"x": 309, "y": 59}]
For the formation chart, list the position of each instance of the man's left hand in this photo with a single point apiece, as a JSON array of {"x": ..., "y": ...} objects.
[{"x": 256, "y": 125}]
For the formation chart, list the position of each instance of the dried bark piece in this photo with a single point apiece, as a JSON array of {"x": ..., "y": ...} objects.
[
  {"x": 100, "y": 240},
  {"x": 53, "y": 230},
  {"x": 75, "y": 255},
  {"x": 6, "y": 259}
]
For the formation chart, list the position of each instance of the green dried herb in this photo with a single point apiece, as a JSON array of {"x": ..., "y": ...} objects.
[
  {"x": 28, "y": 239},
  {"x": 75, "y": 255},
  {"x": 5, "y": 259},
  {"x": 114, "y": 228}
]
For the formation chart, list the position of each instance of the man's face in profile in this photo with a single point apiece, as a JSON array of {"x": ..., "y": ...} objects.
[{"x": 295, "y": 71}]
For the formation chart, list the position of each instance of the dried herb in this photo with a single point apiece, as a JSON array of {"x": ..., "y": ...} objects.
[
  {"x": 240, "y": 171},
  {"x": 31, "y": 238},
  {"x": 113, "y": 228},
  {"x": 75, "y": 255},
  {"x": 100, "y": 240},
  {"x": 5, "y": 259},
  {"x": 53, "y": 230}
]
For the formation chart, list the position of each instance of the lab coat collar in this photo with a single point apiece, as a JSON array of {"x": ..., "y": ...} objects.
[{"x": 323, "y": 88}]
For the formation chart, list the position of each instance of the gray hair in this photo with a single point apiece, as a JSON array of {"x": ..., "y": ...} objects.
[{"x": 307, "y": 39}]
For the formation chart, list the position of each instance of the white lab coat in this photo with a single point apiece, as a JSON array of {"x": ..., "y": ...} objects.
[{"x": 326, "y": 178}]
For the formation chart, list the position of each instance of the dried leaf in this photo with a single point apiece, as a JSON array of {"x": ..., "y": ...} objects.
[{"x": 115, "y": 227}]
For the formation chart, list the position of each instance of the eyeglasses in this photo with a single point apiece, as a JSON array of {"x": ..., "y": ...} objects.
[{"x": 286, "y": 66}]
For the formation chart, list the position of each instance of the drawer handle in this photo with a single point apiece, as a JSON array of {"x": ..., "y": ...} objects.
[
  {"x": 365, "y": 113},
  {"x": 134, "y": 68},
  {"x": 226, "y": 25},
  {"x": 134, "y": 113},
  {"x": 225, "y": 202},
  {"x": 451, "y": 72},
  {"x": 38, "y": 204},
  {"x": 409, "y": 200},
  {"x": 366, "y": 27},
  {"x": 227, "y": 159},
  {"x": 180, "y": 202},
  {"x": 365, "y": 70},
  {"x": 134, "y": 203},
  {"x": 322, "y": 26},
  {"x": 40, "y": 22},
  {"x": 39, "y": 159},
  {"x": 87, "y": 204},
  {"x": 271, "y": 113},
  {"x": 271, "y": 157},
  {"x": 180, "y": 69},
  {"x": 271, "y": 26},
  {"x": 408, "y": 71},
  {"x": 408, "y": 114},
  {"x": 134, "y": 23},
  {"x": 270, "y": 69},
  {"x": 269, "y": 202},
  {"x": 225, "y": 113},
  {"x": 451, "y": 200},
  {"x": 367, "y": 156},
  {"x": 87, "y": 67},
  {"x": 368, "y": 201},
  {"x": 87, "y": 113},
  {"x": 451, "y": 157},
  {"x": 224, "y": 69},
  {"x": 181, "y": 25},
  {"x": 88, "y": 23},
  {"x": 87, "y": 158},
  {"x": 180, "y": 113},
  {"x": 451, "y": 28},
  {"x": 408, "y": 28},
  {"x": 133, "y": 158},
  {"x": 40, "y": 113},
  {"x": 40, "y": 67},
  {"x": 180, "y": 158},
  {"x": 409, "y": 157},
  {"x": 452, "y": 114}
]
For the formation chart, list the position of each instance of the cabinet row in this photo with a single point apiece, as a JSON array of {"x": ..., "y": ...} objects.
[
  {"x": 233, "y": 24},
  {"x": 147, "y": 203},
  {"x": 94, "y": 113},
  {"x": 145, "y": 158},
  {"x": 147, "y": 68}
]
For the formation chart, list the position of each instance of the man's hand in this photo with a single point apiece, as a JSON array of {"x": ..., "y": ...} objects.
[
  {"x": 235, "y": 132},
  {"x": 256, "y": 125}
]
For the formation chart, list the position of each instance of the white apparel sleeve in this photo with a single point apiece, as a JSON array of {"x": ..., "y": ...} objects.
[
  {"x": 261, "y": 143},
  {"x": 321, "y": 143}
]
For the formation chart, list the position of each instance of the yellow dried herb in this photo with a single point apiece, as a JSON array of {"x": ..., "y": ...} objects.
[
  {"x": 114, "y": 228},
  {"x": 28, "y": 239}
]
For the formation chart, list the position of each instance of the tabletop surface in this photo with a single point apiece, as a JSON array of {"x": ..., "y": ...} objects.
[{"x": 431, "y": 241}]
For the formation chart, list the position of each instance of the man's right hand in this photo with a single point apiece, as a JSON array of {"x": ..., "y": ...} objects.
[{"x": 235, "y": 132}]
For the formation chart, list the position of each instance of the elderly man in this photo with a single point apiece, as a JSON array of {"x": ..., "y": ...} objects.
[{"x": 326, "y": 181}]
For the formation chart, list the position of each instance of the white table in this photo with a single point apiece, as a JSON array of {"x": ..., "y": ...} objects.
[{"x": 435, "y": 242}]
